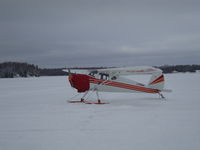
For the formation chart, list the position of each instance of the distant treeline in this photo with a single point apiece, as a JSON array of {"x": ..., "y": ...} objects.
[
  {"x": 16, "y": 69},
  {"x": 52, "y": 72},
  {"x": 180, "y": 68}
]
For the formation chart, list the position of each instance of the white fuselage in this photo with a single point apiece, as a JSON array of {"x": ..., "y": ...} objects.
[{"x": 119, "y": 85}]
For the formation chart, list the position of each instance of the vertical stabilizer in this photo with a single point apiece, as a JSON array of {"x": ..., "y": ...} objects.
[{"x": 157, "y": 81}]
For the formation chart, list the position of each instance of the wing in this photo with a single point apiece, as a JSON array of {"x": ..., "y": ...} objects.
[
  {"x": 77, "y": 71},
  {"x": 117, "y": 71},
  {"x": 130, "y": 70}
]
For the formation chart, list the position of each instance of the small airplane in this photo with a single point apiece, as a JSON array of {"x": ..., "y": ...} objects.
[{"x": 113, "y": 80}]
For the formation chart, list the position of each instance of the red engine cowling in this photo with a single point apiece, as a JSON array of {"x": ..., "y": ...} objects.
[{"x": 80, "y": 82}]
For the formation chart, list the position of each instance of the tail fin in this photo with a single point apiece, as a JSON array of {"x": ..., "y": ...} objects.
[{"x": 157, "y": 81}]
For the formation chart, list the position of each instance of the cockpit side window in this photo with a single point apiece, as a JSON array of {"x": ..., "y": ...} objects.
[
  {"x": 93, "y": 73},
  {"x": 104, "y": 76}
]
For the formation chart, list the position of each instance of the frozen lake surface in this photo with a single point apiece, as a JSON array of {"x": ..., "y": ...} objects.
[{"x": 34, "y": 115}]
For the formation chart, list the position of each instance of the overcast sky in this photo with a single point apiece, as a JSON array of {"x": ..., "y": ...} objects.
[{"x": 59, "y": 33}]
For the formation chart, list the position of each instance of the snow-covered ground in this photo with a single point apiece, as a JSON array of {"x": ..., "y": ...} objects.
[{"x": 34, "y": 115}]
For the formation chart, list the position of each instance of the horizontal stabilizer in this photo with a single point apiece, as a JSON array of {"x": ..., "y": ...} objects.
[{"x": 166, "y": 90}]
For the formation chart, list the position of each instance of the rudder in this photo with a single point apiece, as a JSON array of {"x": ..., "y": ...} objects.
[{"x": 157, "y": 81}]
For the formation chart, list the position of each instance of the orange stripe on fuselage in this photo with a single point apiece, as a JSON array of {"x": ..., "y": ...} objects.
[{"x": 123, "y": 85}]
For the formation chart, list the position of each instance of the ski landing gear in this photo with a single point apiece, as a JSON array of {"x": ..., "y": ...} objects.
[
  {"x": 161, "y": 95},
  {"x": 87, "y": 102}
]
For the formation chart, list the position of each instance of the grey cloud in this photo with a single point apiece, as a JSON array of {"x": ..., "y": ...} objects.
[{"x": 100, "y": 32}]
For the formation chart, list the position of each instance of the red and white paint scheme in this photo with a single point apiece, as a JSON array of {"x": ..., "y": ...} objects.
[{"x": 114, "y": 80}]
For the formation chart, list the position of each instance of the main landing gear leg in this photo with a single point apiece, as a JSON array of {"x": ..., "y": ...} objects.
[
  {"x": 98, "y": 99},
  {"x": 82, "y": 99}
]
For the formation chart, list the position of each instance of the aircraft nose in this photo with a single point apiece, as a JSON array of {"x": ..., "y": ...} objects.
[{"x": 80, "y": 82}]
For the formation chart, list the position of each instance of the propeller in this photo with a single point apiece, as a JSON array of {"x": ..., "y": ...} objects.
[{"x": 69, "y": 71}]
